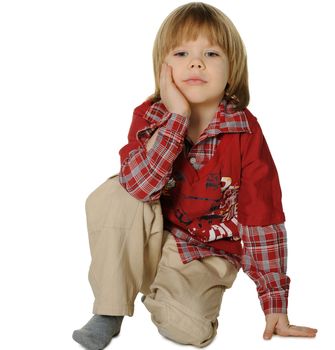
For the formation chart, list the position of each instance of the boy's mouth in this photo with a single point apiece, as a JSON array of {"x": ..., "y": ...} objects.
[
  {"x": 195, "y": 81},
  {"x": 195, "y": 78}
]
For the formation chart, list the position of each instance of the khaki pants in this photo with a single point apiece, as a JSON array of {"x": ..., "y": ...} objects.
[{"x": 131, "y": 253}]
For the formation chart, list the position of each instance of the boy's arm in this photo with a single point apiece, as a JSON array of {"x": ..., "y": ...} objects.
[
  {"x": 146, "y": 165},
  {"x": 261, "y": 222},
  {"x": 265, "y": 261},
  {"x": 261, "y": 226}
]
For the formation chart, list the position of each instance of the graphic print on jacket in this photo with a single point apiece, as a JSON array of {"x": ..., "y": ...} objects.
[
  {"x": 220, "y": 221},
  {"x": 203, "y": 202}
]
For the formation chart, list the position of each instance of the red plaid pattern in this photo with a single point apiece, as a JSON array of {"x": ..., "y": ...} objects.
[{"x": 264, "y": 259}]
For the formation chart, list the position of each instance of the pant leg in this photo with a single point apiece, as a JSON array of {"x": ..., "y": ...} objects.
[
  {"x": 185, "y": 299},
  {"x": 126, "y": 238}
]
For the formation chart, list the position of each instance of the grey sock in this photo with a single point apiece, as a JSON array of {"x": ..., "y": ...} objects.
[{"x": 98, "y": 331}]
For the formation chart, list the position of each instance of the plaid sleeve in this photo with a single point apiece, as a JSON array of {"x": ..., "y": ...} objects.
[
  {"x": 144, "y": 173},
  {"x": 264, "y": 260}
]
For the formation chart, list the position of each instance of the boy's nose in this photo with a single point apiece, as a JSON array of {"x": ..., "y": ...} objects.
[
  {"x": 198, "y": 65},
  {"x": 196, "y": 62}
]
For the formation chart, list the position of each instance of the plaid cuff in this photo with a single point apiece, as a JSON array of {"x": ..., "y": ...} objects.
[{"x": 275, "y": 302}]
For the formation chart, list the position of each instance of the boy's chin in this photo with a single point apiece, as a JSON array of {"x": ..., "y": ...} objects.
[
  {"x": 199, "y": 96},
  {"x": 196, "y": 100}
]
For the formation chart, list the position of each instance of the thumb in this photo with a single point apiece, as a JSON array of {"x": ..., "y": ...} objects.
[{"x": 269, "y": 329}]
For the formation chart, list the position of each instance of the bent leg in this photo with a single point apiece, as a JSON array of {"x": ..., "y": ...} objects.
[
  {"x": 126, "y": 238},
  {"x": 185, "y": 299}
]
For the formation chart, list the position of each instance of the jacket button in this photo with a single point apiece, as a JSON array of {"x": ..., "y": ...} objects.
[{"x": 193, "y": 160}]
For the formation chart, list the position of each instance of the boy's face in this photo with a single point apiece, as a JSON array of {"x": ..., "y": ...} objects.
[{"x": 199, "y": 59}]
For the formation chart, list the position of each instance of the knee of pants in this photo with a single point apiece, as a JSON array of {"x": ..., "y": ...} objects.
[
  {"x": 110, "y": 205},
  {"x": 180, "y": 324}
]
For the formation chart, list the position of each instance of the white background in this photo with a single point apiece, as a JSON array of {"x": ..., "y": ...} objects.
[{"x": 71, "y": 73}]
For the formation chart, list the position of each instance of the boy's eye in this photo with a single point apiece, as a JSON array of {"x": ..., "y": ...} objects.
[
  {"x": 183, "y": 54},
  {"x": 180, "y": 54},
  {"x": 212, "y": 54}
]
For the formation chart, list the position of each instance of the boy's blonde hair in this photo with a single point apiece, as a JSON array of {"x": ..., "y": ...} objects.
[{"x": 186, "y": 23}]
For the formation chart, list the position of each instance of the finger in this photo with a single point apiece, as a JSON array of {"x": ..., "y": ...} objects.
[
  {"x": 299, "y": 331},
  {"x": 296, "y": 331},
  {"x": 269, "y": 328},
  {"x": 169, "y": 74},
  {"x": 163, "y": 74}
]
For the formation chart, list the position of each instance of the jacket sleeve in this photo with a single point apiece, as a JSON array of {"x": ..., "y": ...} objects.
[
  {"x": 259, "y": 199},
  {"x": 261, "y": 222},
  {"x": 144, "y": 173}
]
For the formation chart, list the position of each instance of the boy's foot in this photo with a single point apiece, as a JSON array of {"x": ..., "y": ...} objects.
[{"x": 98, "y": 331}]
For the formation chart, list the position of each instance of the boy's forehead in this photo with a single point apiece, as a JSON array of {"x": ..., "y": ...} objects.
[{"x": 202, "y": 40}]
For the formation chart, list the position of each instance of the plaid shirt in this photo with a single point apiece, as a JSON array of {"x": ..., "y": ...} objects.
[{"x": 144, "y": 174}]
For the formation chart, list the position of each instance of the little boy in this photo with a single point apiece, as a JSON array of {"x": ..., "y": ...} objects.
[{"x": 197, "y": 196}]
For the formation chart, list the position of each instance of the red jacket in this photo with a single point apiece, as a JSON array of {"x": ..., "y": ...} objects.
[
  {"x": 238, "y": 184},
  {"x": 230, "y": 188}
]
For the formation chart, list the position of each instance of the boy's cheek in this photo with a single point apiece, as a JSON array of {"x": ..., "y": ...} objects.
[{"x": 170, "y": 62}]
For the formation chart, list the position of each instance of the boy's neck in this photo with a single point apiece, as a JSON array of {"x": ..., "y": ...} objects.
[{"x": 202, "y": 114}]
